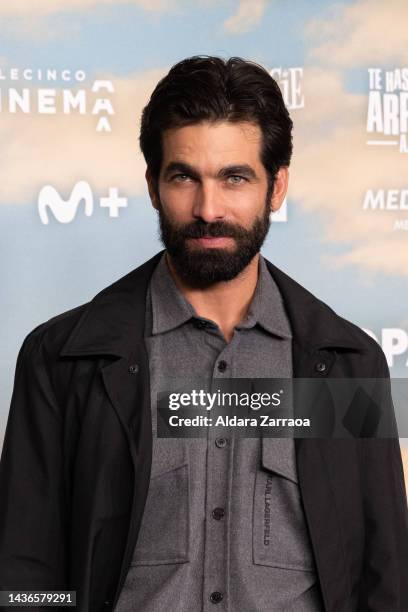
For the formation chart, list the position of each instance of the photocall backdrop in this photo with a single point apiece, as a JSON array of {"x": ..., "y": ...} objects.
[{"x": 75, "y": 213}]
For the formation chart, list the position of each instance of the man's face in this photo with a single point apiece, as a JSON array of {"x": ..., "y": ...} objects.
[{"x": 213, "y": 199}]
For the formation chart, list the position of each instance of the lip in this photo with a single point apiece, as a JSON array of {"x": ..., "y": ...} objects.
[{"x": 213, "y": 241}]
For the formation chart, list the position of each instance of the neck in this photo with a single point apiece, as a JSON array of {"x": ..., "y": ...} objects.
[{"x": 226, "y": 303}]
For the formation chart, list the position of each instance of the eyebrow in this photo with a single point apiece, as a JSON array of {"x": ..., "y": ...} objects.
[
  {"x": 242, "y": 169},
  {"x": 236, "y": 169},
  {"x": 182, "y": 167}
]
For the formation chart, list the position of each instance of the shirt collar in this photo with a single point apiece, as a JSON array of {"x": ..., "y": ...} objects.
[
  {"x": 267, "y": 308},
  {"x": 170, "y": 309}
]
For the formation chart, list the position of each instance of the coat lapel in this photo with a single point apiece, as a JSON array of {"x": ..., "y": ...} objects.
[
  {"x": 317, "y": 333},
  {"x": 113, "y": 325}
]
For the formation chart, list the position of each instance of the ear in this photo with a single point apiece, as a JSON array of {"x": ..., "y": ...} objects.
[
  {"x": 152, "y": 187},
  {"x": 280, "y": 188}
]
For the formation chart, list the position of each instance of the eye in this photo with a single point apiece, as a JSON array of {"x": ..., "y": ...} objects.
[
  {"x": 235, "y": 179},
  {"x": 180, "y": 178}
]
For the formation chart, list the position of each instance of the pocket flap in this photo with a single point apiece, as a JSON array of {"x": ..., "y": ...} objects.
[
  {"x": 170, "y": 453},
  {"x": 164, "y": 532},
  {"x": 280, "y": 534},
  {"x": 278, "y": 455}
]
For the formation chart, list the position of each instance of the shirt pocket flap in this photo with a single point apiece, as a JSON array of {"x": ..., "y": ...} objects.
[
  {"x": 280, "y": 535},
  {"x": 170, "y": 454},
  {"x": 164, "y": 532},
  {"x": 278, "y": 455}
]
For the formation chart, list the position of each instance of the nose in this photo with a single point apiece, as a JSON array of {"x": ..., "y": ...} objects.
[{"x": 208, "y": 204}]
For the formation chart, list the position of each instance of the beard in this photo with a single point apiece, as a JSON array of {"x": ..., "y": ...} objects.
[{"x": 202, "y": 267}]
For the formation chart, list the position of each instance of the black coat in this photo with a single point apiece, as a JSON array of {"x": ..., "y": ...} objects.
[{"x": 76, "y": 460}]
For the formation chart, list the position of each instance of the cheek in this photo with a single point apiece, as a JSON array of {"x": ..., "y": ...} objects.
[
  {"x": 176, "y": 203},
  {"x": 247, "y": 204}
]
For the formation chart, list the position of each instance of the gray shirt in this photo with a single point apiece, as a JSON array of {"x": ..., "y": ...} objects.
[{"x": 223, "y": 527}]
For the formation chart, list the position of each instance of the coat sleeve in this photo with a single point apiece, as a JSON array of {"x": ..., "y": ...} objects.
[
  {"x": 32, "y": 505},
  {"x": 384, "y": 586}
]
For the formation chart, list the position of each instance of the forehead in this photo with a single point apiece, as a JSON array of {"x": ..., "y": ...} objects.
[{"x": 213, "y": 143}]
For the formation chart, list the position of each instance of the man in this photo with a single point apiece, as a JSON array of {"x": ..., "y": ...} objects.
[{"x": 93, "y": 500}]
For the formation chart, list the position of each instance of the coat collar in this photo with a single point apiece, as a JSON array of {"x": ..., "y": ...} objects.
[{"x": 113, "y": 321}]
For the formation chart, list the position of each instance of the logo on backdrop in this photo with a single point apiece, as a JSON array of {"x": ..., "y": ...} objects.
[
  {"x": 393, "y": 200},
  {"x": 394, "y": 343},
  {"x": 290, "y": 81},
  {"x": 35, "y": 94},
  {"x": 65, "y": 211},
  {"x": 387, "y": 112}
]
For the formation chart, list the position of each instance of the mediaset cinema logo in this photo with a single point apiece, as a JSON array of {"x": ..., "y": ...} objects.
[
  {"x": 39, "y": 91},
  {"x": 390, "y": 200},
  {"x": 387, "y": 111}
]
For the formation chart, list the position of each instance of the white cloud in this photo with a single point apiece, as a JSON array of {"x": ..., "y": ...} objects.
[
  {"x": 333, "y": 167},
  {"x": 38, "y": 149},
  {"x": 365, "y": 32},
  {"x": 248, "y": 15}
]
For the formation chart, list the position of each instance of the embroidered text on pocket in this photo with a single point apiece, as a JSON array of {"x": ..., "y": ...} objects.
[{"x": 280, "y": 536}]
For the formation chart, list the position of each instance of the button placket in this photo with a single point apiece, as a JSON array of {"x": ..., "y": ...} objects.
[
  {"x": 216, "y": 561},
  {"x": 219, "y": 457},
  {"x": 215, "y": 556}
]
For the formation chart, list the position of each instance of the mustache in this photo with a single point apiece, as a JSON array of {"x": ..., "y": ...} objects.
[{"x": 217, "y": 228}]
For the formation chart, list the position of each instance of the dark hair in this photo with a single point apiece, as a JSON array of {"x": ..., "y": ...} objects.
[{"x": 206, "y": 88}]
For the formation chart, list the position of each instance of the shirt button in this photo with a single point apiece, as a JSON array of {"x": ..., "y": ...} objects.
[
  {"x": 216, "y": 597},
  {"x": 218, "y": 513},
  {"x": 134, "y": 368},
  {"x": 321, "y": 367},
  {"x": 222, "y": 365},
  {"x": 221, "y": 442}
]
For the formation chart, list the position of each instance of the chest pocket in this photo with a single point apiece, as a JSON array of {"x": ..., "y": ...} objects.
[
  {"x": 164, "y": 531},
  {"x": 279, "y": 533}
]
